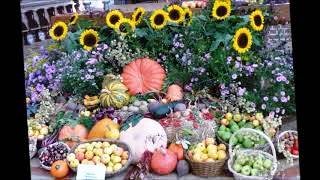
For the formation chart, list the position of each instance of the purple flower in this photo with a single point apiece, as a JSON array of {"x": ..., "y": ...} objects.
[
  {"x": 105, "y": 46},
  {"x": 277, "y": 110},
  {"x": 269, "y": 64},
  {"x": 238, "y": 58},
  {"x": 39, "y": 88},
  {"x": 207, "y": 56},
  {"x": 229, "y": 58},
  {"x": 87, "y": 76},
  {"x": 187, "y": 88},
  {"x": 234, "y": 76},
  {"x": 92, "y": 61},
  {"x": 275, "y": 99},
  {"x": 284, "y": 99},
  {"x": 99, "y": 74},
  {"x": 222, "y": 86},
  {"x": 265, "y": 98},
  {"x": 271, "y": 114},
  {"x": 237, "y": 65},
  {"x": 282, "y": 93},
  {"x": 241, "y": 91},
  {"x": 278, "y": 79}
]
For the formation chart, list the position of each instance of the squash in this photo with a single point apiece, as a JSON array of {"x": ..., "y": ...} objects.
[
  {"x": 163, "y": 161},
  {"x": 101, "y": 128},
  {"x": 72, "y": 135},
  {"x": 114, "y": 93},
  {"x": 177, "y": 149},
  {"x": 142, "y": 134},
  {"x": 59, "y": 169},
  {"x": 174, "y": 93},
  {"x": 143, "y": 75}
]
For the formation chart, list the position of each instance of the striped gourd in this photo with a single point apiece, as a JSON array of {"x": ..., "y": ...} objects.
[{"x": 114, "y": 94}]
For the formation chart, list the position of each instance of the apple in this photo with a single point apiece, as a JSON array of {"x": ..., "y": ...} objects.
[
  {"x": 221, "y": 154},
  {"x": 209, "y": 141},
  {"x": 295, "y": 152},
  {"x": 224, "y": 122},
  {"x": 105, "y": 144},
  {"x": 254, "y": 172},
  {"x": 201, "y": 146},
  {"x": 212, "y": 147},
  {"x": 222, "y": 147},
  {"x": 109, "y": 169},
  {"x": 255, "y": 123},
  {"x": 229, "y": 116},
  {"x": 108, "y": 150},
  {"x": 125, "y": 155},
  {"x": 80, "y": 156},
  {"x": 117, "y": 167},
  {"x": 259, "y": 116},
  {"x": 105, "y": 158},
  {"x": 267, "y": 163},
  {"x": 71, "y": 157},
  {"x": 124, "y": 161},
  {"x": 89, "y": 155},
  {"x": 237, "y": 117},
  {"x": 197, "y": 157},
  {"x": 96, "y": 159},
  {"x": 237, "y": 167},
  {"x": 246, "y": 170},
  {"x": 204, "y": 157},
  {"x": 74, "y": 163}
]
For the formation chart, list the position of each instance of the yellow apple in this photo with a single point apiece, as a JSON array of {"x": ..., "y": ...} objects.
[
  {"x": 212, "y": 153},
  {"x": 201, "y": 146},
  {"x": 88, "y": 155},
  {"x": 105, "y": 144},
  {"x": 125, "y": 155},
  {"x": 204, "y": 157},
  {"x": 229, "y": 116},
  {"x": 211, "y": 147},
  {"x": 71, "y": 157},
  {"x": 222, "y": 147},
  {"x": 255, "y": 123},
  {"x": 224, "y": 122},
  {"x": 90, "y": 147},
  {"x": 109, "y": 169},
  {"x": 237, "y": 117},
  {"x": 209, "y": 141},
  {"x": 197, "y": 157},
  {"x": 74, "y": 163},
  {"x": 117, "y": 166},
  {"x": 115, "y": 159},
  {"x": 107, "y": 150},
  {"x": 221, "y": 154},
  {"x": 98, "y": 145},
  {"x": 105, "y": 158},
  {"x": 96, "y": 159}
]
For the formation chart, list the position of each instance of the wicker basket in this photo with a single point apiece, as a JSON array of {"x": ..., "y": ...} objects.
[
  {"x": 121, "y": 144},
  {"x": 278, "y": 142},
  {"x": 40, "y": 151},
  {"x": 206, "y": 169},
  {"x": 272, "y": 157}
]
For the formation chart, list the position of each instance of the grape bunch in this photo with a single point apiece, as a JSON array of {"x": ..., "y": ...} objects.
[
  {"x": 54, "y": 152},
  {"x": 108, "y": 112}
]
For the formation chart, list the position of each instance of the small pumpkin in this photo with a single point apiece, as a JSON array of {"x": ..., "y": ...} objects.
[
  {"x": 174, "y": 93},
  {"x": 114, "y": 93},
  {"x": 101, "y": 128},
  {"x": 143, "y": 75},
  {"x": 163, "y": 161},
  {"x": 73, "y": 134},
  {"x": 59, "y": 169},
  {"x": 177, "y": 149}
]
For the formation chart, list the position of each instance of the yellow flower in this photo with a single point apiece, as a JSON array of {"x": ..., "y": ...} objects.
[
  {"x": 159, "y": 19},
  {"x": 124, "y": 26},
  {"x": 137, "y": 15},
  {"x": 58, "y": 31},
  {"x": 221, "y": 10},
  {"x": 89, "y": 39},
  {"x": 113, "y": 17},
  {"x": 188, "y": 16},
  {"x": 74, "y": 18},
  {"x": 242, "y": 40},
  {"x": 257, "y": 20},
  {"x": 176, "y": 14}
]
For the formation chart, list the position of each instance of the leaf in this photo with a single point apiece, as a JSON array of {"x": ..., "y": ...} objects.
[{"x": 141, "y": 32}]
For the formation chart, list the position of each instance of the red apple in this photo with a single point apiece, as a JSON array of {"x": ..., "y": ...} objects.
[{"x": 80, "y": 156}]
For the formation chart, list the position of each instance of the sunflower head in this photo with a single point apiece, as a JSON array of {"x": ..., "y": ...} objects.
[
  {"x": 58, "y": 31},
  {"x": 113, "y": 17},
  {"x": 158, "y": 19},
  {"x": 74, "y": 19},
  {"x": 176, "y": 14},
  {"x": 187, "y": 16},
  {"x": 221, "y": 10},
  {"x": 125, "y": 26},
  {"x": 89, "y": 39},
  {"x": 257, "y": 20},
  {"x": 242, "y": 40},
  {"x": 137, "y": 15}
]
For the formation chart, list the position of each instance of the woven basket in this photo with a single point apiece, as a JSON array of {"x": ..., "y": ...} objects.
[
  {"x": 278, "y": 141},
  {"x": 171, "y": 133},
  {"x": 272, "y": 157},
  {"x": 206, "y": 168},
  {"x": 121, "y": 144},
  {"x": 40, "y": 151}
]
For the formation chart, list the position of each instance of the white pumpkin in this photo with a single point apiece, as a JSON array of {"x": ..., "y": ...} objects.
[{"x": 148, "y": 134}]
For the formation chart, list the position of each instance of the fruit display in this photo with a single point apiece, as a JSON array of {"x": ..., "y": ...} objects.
[
  {"x": 59, "y": 169},
  {"x": 37, "y": 130},
  {"x": 252, "y": 164},
  {"x": 288, "y": 143},
  {"x": 246, "y": 140},
  {"x": 163, "y": 161},
  {"x": 111, "y": 155},
  {"x": 194, "y": 4},
  {"x": 207, "y": 151},
  {"x": 233, "y": 122},
  {"x": 53, "y": 152}
]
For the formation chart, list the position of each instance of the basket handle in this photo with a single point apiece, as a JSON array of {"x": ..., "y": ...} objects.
[{"x": 257, "y": 132}]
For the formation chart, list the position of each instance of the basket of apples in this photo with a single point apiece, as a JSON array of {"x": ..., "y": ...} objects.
[
  {"x": 288, "y": 144},
  {"x": 115, "y": 155},
  {"x": 207, "y": 158},
  {"x": 251, "y": 163}
]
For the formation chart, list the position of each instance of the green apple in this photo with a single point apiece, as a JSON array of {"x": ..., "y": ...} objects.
[
  {"x": 222, "y": 128},
  {"x": 233, "y": 141},
  {"x": 234, "y": 128},
  {"x": 248, "y": 125},
  {"x": 229, "y": 116},
  {"x": 237, "y": 117},
  {"x": 247, "y": 143},
  {"x": 246, "y": 170},
  {"x": 242, "y": 123},
  {"x": 239, "y": 137},
  {"x": 226, "y": 136},
  {"x": 241, "y": 161},
  {"x": 258, "y": 164},
  {"x": 254, "y": 172},
  {"x": 267, "y": 163},
  {"x": 237, "y": 167}
]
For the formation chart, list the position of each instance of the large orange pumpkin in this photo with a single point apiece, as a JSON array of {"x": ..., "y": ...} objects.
[
  {"x": 174, "y": 93},
  {"x": 101, "y": 127},
  {"x": 72, "y": 135},
  {"x": 59, "y": 169},
  {"x": 143, "y": 75}
]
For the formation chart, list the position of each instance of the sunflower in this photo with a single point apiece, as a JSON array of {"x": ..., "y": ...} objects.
[
  {"x": 124, "y": 26},
  {"x": 74, "y": 18},
  {"x": 221, "y": 10},
  {"x": 113, "y": 17},
  {"x": 242, "y": 40},
  {"x": 257, "y": 20},
  {"x": 187, "y": 16},
  {"x": 176, "y": 14},
  {"x": 137, "y": 15},
  {"x": 89, "y": 39},
  {"x": 159, "y": 19},
  {"x": 58, "y": 31}
]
